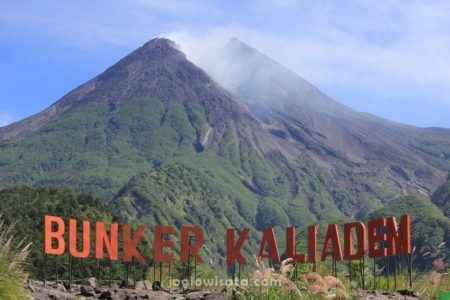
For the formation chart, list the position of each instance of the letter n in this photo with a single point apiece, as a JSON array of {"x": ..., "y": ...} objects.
[{"x": 103, "y": 241}]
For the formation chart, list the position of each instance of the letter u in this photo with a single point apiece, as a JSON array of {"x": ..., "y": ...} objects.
[{"x": 86, "y": 239}]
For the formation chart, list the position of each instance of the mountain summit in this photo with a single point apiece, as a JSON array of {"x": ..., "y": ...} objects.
[
  {"x": 247, "y": 69},
  {"x": 157, "y": 68}
]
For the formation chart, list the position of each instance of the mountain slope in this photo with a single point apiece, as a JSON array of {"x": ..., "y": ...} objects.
[
  {"x": 399, "y": 157},
  {"x": 441, "y": 197},
  {"x": 150, "y": 106},
  {"x": 184, "y": 193}
]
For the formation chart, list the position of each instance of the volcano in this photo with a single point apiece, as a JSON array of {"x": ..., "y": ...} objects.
[{"x": 251, "y": 145}]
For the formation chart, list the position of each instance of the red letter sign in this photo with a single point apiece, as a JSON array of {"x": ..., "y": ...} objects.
[
  {"x": 333, "y": 237},
  {"x": 234, "y": 250},
  {"x": 399, "y": 241},
  {"x": 268, "y": 239},
  {"x": 102, "y": 240},
  {"x": 312, "y": 243},
  {"x": 186, "y": 248},
  {"x": 360, "y": 241},
  {"x": 130, "y": 245},
  {"x": 376, "y": 237},
  {"x": 160, "y": 243},
  {"x": 86, "y": 238},
  {"x": 50, "y": 235}
]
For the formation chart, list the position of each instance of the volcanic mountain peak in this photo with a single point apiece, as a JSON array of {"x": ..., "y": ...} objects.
[
  {"x": 160, "y": 43},
  {"x": 155, "y": 49},
  {"x": 157, "y": 69},
  {"x": 234, "y": 44},
  {"x": 278, "y": 86}
]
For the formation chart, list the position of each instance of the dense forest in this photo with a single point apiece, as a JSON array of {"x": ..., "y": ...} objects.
[{"x": 25, "y": 208}]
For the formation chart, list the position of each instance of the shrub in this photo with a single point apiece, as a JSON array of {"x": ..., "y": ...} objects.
[{"x": 12, "y": 258}]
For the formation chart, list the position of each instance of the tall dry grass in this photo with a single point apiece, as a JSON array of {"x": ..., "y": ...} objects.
[
  {"x": 284, "y": 286},
  {"x": 12, "y": 259},
  {"x": 438, "y": 280}
]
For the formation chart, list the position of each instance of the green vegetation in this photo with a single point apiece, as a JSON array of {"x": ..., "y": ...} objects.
[
  {"x": 442, "y": 197},
  {"x": 429, "y": 226},
  {"x": 144, "y": 159},
  {"x": 12, "y": 257},
  {"x": 97, "y": 150},
  {"x": 435, "y": 147},
  {"x": 25, "y": 207},
  {"x": 182, "y": 194}
]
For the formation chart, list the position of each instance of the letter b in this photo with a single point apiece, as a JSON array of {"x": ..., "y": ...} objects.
[{"x": 57, "y": 235}]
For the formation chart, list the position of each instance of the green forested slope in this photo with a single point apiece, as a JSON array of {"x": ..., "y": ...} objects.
[
  {"x": 95, "y": 149},
  {"x": 429, "y": 226},
  {"x": 25, "y": 207},
  {"x": 442, "y": 197}
]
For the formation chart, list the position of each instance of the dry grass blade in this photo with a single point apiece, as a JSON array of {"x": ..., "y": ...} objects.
[{"x": 12, "y": 259}]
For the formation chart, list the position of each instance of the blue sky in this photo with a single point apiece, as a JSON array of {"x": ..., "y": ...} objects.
[{"x": 390, "y": 58}]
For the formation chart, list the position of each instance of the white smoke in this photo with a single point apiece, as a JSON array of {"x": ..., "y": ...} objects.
[
  {"x": 405, "y": 81},
  {"x": 207, "y": 53}
]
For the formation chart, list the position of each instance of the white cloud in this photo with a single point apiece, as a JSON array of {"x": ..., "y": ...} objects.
[
  {"x": 405, "y": 41},
  {"x": 5, "y": 119},
  {"x": 391, "y": 58},
  {"x": 412, "y": 48}
]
